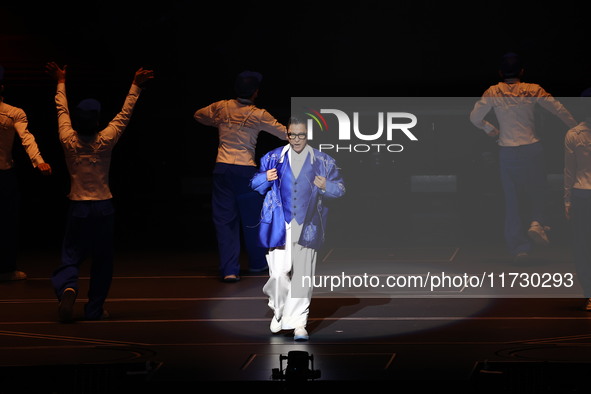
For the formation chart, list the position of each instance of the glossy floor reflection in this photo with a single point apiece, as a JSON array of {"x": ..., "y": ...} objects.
[{"x": 173, "y": 325}]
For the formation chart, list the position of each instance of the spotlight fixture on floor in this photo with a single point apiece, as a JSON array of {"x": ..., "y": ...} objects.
[{"x": 300, "y": 367}]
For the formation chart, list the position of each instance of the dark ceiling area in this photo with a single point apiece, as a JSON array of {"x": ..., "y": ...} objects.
[{"x": 407, "y": 48}]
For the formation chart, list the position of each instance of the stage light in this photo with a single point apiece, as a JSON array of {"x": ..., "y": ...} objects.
[{"x": 300, "y": 367}]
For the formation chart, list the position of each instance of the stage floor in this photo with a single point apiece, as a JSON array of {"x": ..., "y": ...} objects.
[{"x": 173, "y": 325}]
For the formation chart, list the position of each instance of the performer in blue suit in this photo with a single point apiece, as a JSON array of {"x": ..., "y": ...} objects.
[{"x": 295, "y": 180}]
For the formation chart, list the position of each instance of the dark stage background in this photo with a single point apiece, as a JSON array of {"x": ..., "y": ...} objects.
[{"x": 162, "y": 165}]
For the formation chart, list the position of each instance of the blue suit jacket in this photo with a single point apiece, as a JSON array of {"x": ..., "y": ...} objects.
[{"x": 273, "y": 217}]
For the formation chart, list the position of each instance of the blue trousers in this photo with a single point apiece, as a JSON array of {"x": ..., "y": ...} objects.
[
  {"x": 581, "y": 227},
  {"x": 236, "y": 210},
  {"x": 89, "y": 234},
  {"x": 523, "y": 177},
  {"x": 9, "y": 213}
]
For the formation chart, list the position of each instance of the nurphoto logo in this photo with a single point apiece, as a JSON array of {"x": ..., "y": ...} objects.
[{"x": 380, "y": 130}]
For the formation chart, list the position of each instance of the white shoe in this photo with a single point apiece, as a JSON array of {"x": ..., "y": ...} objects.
[
  {"x": 537, "y": 233},
  {"x": 300, "y": 334},
  {"x": 275, "y": 325}
]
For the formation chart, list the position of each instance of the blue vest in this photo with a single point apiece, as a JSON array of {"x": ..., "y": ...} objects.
[{"x": 296, "y": 192}]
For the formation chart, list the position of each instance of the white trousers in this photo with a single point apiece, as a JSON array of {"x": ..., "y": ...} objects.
[{"x": 289, "y": 297}]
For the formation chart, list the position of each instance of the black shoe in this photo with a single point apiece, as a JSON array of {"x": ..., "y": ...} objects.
[
  {"x": 12, "y": 275},
  {"x": 231, "y": 278},
  {"x": 66, "y": 306},
  {"x": 537, "y": 233}
]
